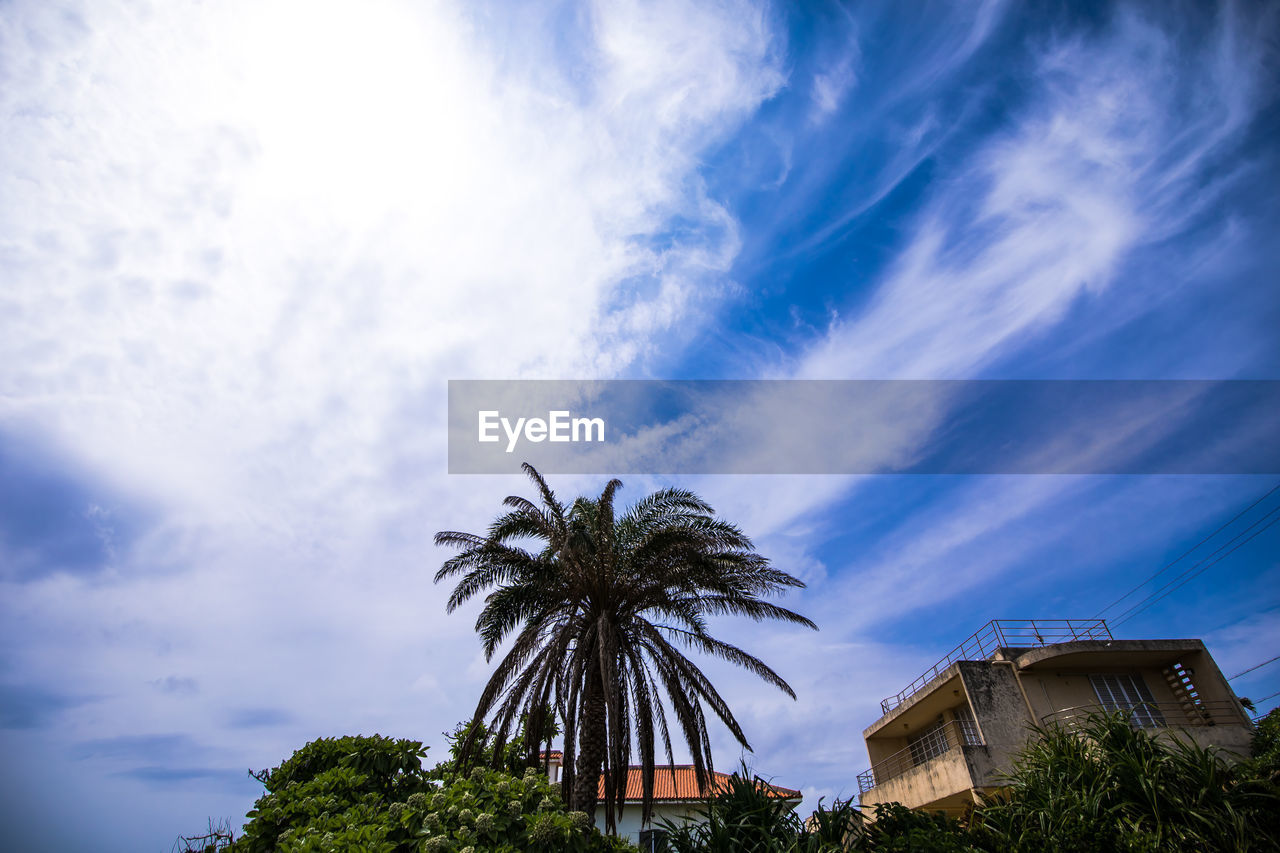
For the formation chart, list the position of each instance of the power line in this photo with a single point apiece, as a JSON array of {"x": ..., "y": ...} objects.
[
  {"x": 1159, "y": 594},
  {"x": 1252, "y": 668},
  {"x": 1186, "y": 553},
  {"x": 1151, "y": 600},
  {"x": 1199, "y": 567},
  {"x": 1265, "y": 698}
]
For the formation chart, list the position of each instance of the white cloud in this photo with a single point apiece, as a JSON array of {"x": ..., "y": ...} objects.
[
  {"x": 240, "y": 231},
  {"x": 834, "y": 82},
  {"x": 244, "y": 247},
  {"x": 1247, "y": 642}
]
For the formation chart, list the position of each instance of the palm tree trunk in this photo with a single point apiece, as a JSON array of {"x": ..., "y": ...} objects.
[{"x": 591, "y": 746}]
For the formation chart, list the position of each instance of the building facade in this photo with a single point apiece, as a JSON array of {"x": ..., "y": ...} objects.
[
  {"x": 949, "y": 737},
  {"x": 676, "y": 798}
]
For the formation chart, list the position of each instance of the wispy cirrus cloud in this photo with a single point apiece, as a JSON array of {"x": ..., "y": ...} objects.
[
  {"x": 1121, "y": 145},
  {"x": 1115, "y": 151}
]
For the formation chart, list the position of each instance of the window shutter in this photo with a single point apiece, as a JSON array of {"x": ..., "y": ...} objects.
[{"x": 1126, "y": 691}]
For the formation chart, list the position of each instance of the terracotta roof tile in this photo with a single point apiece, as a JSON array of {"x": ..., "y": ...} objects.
[{"x": 682, "y": 784}]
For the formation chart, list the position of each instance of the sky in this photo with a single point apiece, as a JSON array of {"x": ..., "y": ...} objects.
[{"x": 245, "y": 245}]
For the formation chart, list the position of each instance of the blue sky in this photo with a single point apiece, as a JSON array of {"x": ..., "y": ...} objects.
[{"x": 243, "y": 247}]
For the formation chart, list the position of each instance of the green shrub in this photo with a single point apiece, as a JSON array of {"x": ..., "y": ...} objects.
[
  {"x": 898, "y": 829},
  {"x": 493, "y": 810},
  {"x": 386, "y": 763},
  {"x": 1266, "y": 747},
  {"x": 334, "y": 788},
  {"x": 371, "y": 794},
  {"x": 741, "y": 818},
  {"x": 514, "y": 756},
  {"x": 834, "y": 828},
  {"x": 744, "y": 818},
  {"x": 1107, "y": 786}
]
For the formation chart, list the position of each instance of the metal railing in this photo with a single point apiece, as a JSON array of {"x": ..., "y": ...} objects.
[
  {"x": 1005, "y": 634},
  {"x": 1155, "y": 714},
  {"x": 939, "y": 741}
]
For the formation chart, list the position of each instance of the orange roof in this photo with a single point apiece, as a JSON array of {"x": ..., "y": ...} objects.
[{"x": 682, "y": 784}]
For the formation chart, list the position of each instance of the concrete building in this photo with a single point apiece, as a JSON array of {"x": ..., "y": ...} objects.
[{"x": 949, "y": 736}]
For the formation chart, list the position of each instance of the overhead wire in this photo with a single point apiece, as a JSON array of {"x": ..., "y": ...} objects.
[
  {"x": 1194, "y": 572},
  {"x": 1252, "y": 668},
  {"x": 1189, "y": 551}
]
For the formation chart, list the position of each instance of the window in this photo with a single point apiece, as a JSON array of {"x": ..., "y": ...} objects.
[
  {"x": 968, "y": 726},
  {"x": 929, "y": 742},
  {"x": 653, "y": 840},
  {"x": 1127, "y": 691}
]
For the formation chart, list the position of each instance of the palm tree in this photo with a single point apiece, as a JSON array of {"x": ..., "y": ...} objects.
[{"x": 601, "y": 612}]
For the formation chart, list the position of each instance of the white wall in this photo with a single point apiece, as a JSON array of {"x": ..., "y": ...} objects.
[{"x": 630, "y": 826}]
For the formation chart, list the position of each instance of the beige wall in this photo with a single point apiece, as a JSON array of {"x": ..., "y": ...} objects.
[
  {"x": 933, "y": 780},
  {"x": 1055, "y": 691}
]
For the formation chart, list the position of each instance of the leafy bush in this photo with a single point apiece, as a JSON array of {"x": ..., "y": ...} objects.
[
  {"x": 495, "y": 811},
  {"x": 386, "y": 764},
  {"x": 1107, "y": 786},
  {"x": 743, "y": 817},
  {"x": 834, "y": 828},
  {"x": 898, "y": 829},
  {"x": 1266, "y": 747},
  {"x": 333, "y": 785},
  {"x": 371, "y": 794},
  {"x": 514, "y": 757}
]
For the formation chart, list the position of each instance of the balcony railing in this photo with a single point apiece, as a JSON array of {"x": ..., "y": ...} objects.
[
  {"x": 939, "y": 741},
  {"x": 1005, "y": 634},
  {"x": 1155, "y": 714}
]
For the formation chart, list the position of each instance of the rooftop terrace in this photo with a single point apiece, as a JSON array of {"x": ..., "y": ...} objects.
[{"x": 1005, "y": 634}]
